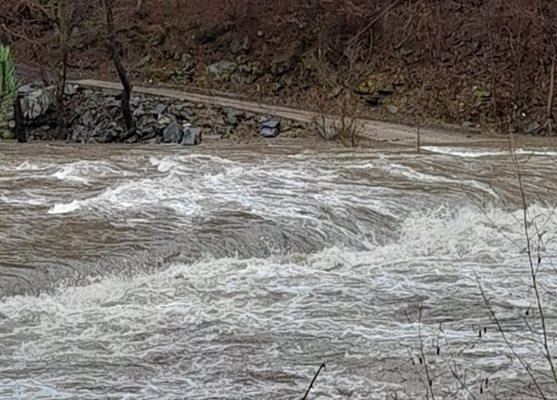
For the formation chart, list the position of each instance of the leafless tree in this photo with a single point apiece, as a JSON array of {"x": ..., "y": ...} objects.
[{"x": 115, "y": 54}]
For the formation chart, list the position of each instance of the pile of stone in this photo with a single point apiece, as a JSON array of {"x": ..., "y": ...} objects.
[{"x": 95, "y": 117}]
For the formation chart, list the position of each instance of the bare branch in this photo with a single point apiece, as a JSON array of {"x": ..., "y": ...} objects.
[{"x": 313, "y": 381}]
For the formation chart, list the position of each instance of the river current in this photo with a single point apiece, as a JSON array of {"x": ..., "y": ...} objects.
[{"x": 234, "y": 272}]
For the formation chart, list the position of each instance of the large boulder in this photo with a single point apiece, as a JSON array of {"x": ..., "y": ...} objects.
[
  {"x": 36, "y": 103},
  {"x": 192, "y": 136},
  {"x": 173, "y": 133}
]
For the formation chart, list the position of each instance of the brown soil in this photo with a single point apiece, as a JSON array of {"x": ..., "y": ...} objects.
[{"x": 481, "y": 63}]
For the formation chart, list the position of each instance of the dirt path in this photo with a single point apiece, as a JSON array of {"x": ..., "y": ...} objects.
[{"x": 371, "y": 130}]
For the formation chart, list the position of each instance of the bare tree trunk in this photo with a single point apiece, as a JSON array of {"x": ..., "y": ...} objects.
[
  {"x": 62, "y": 75},
  {"x": 114, "y": 51},
  {"x": 551, "y": 96},
  {"x": 60, "y": 104},
  {"x": 20, "y": 131}
]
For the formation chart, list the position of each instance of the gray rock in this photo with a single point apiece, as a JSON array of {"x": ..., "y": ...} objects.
[
  {"x": 233, "y": 117},
  {"x": 159, "y": 109},
  {"x": 25, "y": 89},
  {"x": 222, "y": 68},
  {"x": 134, "y": 102},
  {"x": 533, "y": 127},
  {"x": 182, "y": 111},
  {"x": 37, "y": 103},
  {"x": 166, "y": 120},
  {"x": 192, "y": 136},
  {"x": 133, "y": 139},
  {"x": 144, "y": 61},
  {"x": 269, "y": 133},
  {"x": 87, "y": 119},
  {"x": 147, "y": 133},
  {"x": 139, "y": 112},
  {"x": 186, "y": 114},
  {"x": 329, "y": 129},
  {"x": 468, "y": 124},
  {"x": 240, "y": 45},
  {"x": 392, "y": 109},
  {"x": 270, "y": 123},
  {"x": 78, "y": 133},
  {"x": 173, "y": 133},
  {"x": 109, "y": 135},
  {"x": 70, "y": 90}
]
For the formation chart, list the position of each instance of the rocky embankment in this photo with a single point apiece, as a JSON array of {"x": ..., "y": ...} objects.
[{"x": 95, "y": 116}]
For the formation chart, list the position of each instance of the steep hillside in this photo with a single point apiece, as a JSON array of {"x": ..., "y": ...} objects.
[{"x": 471, "y": 63}]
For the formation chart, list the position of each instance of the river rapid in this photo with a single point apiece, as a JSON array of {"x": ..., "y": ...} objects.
[{"x": 234, "y": 272}]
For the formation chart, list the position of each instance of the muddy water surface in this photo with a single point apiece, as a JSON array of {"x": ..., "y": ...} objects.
[{"x": 226, "y": 272}]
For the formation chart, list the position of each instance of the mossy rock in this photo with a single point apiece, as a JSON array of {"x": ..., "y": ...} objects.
[
  {"x": 363, "y": 89},
  {"x": 481, "y": 92},
  {"x": 377, "y": 85},
  {"x": 8, "y": 135}
]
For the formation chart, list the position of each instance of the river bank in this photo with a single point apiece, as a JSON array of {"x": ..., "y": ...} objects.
[
  {"x": 427, "y": 63},
  {"x": 169, "y": 115},
  {"x": 94, "y": 116}
]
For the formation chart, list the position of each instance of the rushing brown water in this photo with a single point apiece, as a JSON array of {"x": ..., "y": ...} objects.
[{"x": 169, "y": 273}]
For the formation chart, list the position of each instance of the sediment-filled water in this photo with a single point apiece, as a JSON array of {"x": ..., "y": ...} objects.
[{"x": 234, "y": 272}]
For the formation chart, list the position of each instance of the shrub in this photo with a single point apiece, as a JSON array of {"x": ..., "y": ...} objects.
[{"x": 8, "y": 85}]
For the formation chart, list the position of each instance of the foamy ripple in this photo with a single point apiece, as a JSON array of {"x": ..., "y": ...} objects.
[{"x": 161, "y": 274}]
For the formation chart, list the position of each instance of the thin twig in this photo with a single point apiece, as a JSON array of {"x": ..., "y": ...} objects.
[
  {"x": 313, "y": 381},
  {"x": 372, "y": 22},
  {"x": 533, "y": 272},
  {"x": 429, "y": 384},
  {"x": 509, "y": 345},
  {"x": 19, "y": 35}
]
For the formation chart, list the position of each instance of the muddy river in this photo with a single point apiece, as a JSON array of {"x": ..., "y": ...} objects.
[{"x": 235, "y": 272}]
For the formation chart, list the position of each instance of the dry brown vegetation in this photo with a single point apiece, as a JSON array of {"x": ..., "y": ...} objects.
[{"x": 487, "y": 62}]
